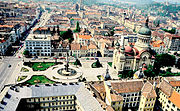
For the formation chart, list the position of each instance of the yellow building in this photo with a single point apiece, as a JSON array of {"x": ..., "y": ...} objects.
[
  {"x": 148, "y": 98},
  {"x": 169, "y": 97},
  {"x": 112, "y": 99},
  {"x": 127, "y": 93}
]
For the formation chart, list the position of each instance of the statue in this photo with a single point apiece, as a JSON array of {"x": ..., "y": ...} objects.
[{"x": 67, "y": 63}]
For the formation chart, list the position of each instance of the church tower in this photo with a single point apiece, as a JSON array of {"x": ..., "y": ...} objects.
[
  {"x": 81, "y": 4},
  {"x": 121, "y": 59},
  {"x": 144, "y": 37}
]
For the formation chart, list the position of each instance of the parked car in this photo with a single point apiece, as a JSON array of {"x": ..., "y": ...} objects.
[
  {"x": 39, "y": 58},
  {"x": 33, "y": 58},
  {"x": 9, "y": 65}
]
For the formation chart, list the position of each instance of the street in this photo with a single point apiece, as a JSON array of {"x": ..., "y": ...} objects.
[
  {"x": 6, "y": 71},
  {"x": 9, "y": 64}
]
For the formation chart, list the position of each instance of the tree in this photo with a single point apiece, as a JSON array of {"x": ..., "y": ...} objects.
[
  {"x": 163, "y": 60},
  {"x": 77, "y": 62},
  {"x": 26, "y": 53},
  {"x": 77, "y": 27},
  {"x": 58, "y": 31},
  {"x": 77, "y": 7},
  {"x": 96, "y": 64},
  {"x": 54, "y": 30},
  {"x": 67, "y": 35},
  {"x": 178, "y": 63},
  {"x": 149, "y": 72}
]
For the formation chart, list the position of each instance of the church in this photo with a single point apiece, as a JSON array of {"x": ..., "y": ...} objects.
[{"x": 133, "y": 57}]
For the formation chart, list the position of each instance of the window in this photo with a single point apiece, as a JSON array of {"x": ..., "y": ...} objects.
[{"x": 173, "y": 105}]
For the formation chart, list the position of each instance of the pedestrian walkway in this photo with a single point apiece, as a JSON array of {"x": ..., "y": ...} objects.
[{"x": 52, "y": 73}]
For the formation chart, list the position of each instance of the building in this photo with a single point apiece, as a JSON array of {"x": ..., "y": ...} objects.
[
  {"x": 5, "y": 43},
  {"x": 92, "y": 50},
  {"x": 174, "y": 44},
  {"x": 132, "y": 57},
  {"x": 66, "y": 97},
  {"x": 159, "y": 47},
  {"x": 148, "y": 97},
  {"x": 169, "y": 94},
  {"x": 38, "y": 44},
  {"x": 83, "y": 39}
]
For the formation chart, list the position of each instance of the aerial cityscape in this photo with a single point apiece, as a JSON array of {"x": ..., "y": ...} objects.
[{"x": 89, "y": 55}]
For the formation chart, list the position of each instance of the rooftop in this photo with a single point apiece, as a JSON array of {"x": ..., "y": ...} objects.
[
  {"x": 79, "y": 90},
  {"x": 127, "y": 86},
  {"x": 39, "y": 37},
  {"x": 175, "y": 97}
]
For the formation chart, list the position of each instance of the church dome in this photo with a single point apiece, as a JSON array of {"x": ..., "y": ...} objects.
[
  {"x": 128, "y": 49},
  {"x": 144, "y": 31}
]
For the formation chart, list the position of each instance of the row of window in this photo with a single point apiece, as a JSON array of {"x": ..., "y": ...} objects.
[
  {"x": 39, "y": 50},
  {"x": 37, "y": 42},
  {"x": 58, "y": 103}
]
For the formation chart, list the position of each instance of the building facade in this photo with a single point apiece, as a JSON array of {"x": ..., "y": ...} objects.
[
  {"x": 133, "y": 57},
  {"x": 38, "y": 44}
]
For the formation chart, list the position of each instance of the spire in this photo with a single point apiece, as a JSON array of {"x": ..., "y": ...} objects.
[
  {"x": 147, "y": 21},
  {"x": 122, "y": 43}
]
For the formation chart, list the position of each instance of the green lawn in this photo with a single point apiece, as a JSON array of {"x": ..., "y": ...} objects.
[
  {"x": 39, "y": 79},
  {"x": 23, "y": 69},
  {"x": 41, "y": 66},
  {"x": 20, "y": 78},
  {"x": 110, "y": 64}
]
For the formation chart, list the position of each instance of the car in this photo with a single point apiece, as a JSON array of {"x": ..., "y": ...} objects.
[
  {"x": 39, "y": 58},
  {"x": 50, "y": 58},
  {"x": 33, "y": 58},
  {"x": 45, "y": 58},
  {"x": 19, "y": 56},
  {"x": 9, "y": 65}
]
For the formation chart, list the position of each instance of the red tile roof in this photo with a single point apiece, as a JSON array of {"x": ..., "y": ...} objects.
[
  {"x": 175, "y": 98},
  {"x": 85, "y": 36}
]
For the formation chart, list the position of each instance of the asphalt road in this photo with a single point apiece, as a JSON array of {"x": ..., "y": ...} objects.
[{"x": 6, "y": 71}]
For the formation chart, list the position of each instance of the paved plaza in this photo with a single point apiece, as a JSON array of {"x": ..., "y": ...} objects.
[{"x": 82, "y": 72}]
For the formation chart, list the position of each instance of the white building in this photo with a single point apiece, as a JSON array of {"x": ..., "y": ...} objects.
[
  {"x": 4, "y": 44},
  {"x": 38, "y": 44}
]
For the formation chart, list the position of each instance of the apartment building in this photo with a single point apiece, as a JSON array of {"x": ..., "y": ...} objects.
[
  {"x": 125, "y": 93},
  {"x": 5, "y": 42},
  {"x": 148, "y": 97},
  {"x": 169, "y": 94},
  {"x": 38, "y": 44},
  {"x": 66, "y": 97}
]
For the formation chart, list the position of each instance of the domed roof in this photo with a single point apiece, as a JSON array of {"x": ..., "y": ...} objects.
[
  {"x": 128, "y": 49},
  {"x": 144, "y": 31}
]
